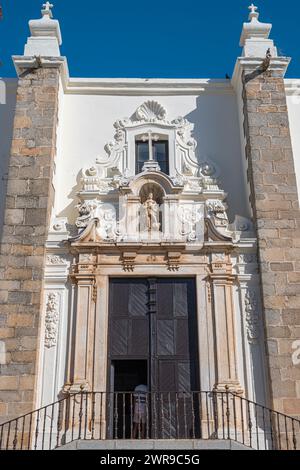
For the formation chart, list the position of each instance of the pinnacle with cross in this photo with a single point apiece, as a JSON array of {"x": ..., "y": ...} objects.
[
  {"x": 252, "y": 8},
  {"x": 47, "y": 9},
  {"x": 253, "y": 12}
]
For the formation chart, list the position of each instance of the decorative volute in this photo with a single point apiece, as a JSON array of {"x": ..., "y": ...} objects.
[
  {"x": 45, "y": 36},
  {"x": 255, "y": 36}
]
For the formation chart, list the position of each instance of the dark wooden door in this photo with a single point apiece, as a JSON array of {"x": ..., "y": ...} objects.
[{"x": 155, "y": 319}]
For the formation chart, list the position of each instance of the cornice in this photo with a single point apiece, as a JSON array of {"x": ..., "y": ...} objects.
[
  {"x": 124, "y": 86},
  {"x": 147, "y": 86},
  {"x": 250, "y": 64}
]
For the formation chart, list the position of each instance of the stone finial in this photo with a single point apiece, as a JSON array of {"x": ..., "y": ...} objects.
[
  {"x": 253, "y": 13},
  {"x": 255, "y": 36},
  {"x": 47, "y": 9},
  {"x": 45, "y": 36}
]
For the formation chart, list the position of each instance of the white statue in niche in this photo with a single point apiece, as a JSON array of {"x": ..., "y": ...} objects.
[{"x": 152, "y": 213}]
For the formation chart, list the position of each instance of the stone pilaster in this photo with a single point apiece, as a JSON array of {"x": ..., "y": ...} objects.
[
  {"x": 276, "y": 213},
  {"x": 81, "y": 373},
  {"x": 222, "y": 280},
  {"x": 28, "y": 206}
]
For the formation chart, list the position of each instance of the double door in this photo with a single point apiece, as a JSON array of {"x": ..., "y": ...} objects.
[{"x": 153, "y": 341}]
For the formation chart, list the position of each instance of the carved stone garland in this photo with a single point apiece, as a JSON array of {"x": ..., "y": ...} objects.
[
  {"x": 252, "y": 316},
  {"x": 51, "y": 319}
]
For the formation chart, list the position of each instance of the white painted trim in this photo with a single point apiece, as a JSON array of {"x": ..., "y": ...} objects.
[
  {"x": 143, "y": 86},
  {"x": 292, "y": 86}
]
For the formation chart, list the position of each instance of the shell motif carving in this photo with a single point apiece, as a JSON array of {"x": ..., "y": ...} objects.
[{"x": 151, "y": 111}]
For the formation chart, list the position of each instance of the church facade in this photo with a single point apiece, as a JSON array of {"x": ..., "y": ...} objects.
[{"x": 150, "y": 230}]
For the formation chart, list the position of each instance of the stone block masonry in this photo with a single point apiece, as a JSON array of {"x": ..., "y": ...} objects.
[
  {"x": 275, "y": 206},
  {"x": 28, "y": 207}
]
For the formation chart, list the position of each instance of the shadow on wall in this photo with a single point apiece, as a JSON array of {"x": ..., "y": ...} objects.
[
  {"x": 8, "y": 89},
  {"x": 216, "y": 129},
  {"x": 70, "y": 210}
]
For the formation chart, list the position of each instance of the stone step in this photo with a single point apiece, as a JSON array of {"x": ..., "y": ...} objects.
[{"x": 159, "y": 444}]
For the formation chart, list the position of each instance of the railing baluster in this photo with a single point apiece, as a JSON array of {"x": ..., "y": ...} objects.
[
  {"x": 15, "y": 441},
  {"x": 223, "y": 415},
  {"x": 256, "y": 425},
  {"x": 162, "y": 419},
  {"x": 294, "y": 436},
  {"x": 124, "y": 414},
  {"x": 207, "y": 415},
  {"x": 1, "y": 436},
  {"x": 147, "y": 416},
  {"x": 271, "y": 430},
  {"x": 199, "y": 408},
  {"x": 93, "y": 415},
  {"x": 286, "y": 434},
  {"x": 58, "y": 424},
  {"x": 100, "y": 417},
  {"x": 227, "y": 412},
  {"x": 37, "y": 429},
  {"x": 131, "y": 415},
  {"x": 242, "y": 419},
  {"x": 86, "y": 421},
  {"x": 278, "y": 431},
  {"x": 44, "y": 428},
  {"x": 80, "y": 415},
  {"x": 193, "y": 414},
  {"x": 215, "y": 412},
  {"x": 264, "y": 428},
  {"x": 73, "y": 418},
  {"x": 153, "y": 415},
  {"x": 185, "y": 416},
  {"x": 51, "y": 426},
  {"x": 234, "y": 418},
  {"x": 249, "y": 423},
  {"x": 29, "y": 432},
  {"x": 8, "y": 435},
  {"x": 170, "y": 415},
  {"x": 22, "y": 435},
  {"x": 116, "y": 418}
]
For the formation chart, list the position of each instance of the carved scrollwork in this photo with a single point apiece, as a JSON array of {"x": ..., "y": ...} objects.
[
  {"x": 85, "y": 210},
  {"x": 217, "y": 211}
]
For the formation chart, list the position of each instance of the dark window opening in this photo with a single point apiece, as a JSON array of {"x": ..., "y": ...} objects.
[{"x": 160, "y": 154}]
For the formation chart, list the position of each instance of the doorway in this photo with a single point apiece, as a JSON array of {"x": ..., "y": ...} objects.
[
  {"x": 153, "y": 337},
  {"x": 126, "y": 375}
]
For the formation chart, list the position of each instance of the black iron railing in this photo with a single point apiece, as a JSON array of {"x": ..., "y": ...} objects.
[{"x": 161, "y": 415}]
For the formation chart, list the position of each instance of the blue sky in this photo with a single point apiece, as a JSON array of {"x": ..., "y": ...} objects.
[{"x": 154, "y": 38}]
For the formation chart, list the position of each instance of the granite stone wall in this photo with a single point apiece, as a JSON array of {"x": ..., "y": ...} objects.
[
  {"x": 274, "y": 200},
  {"x": 28, "y": 206}
]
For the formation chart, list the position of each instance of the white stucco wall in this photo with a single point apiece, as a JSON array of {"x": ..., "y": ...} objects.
[
  {"x": 86, "y": 125},
  {"x": 8, "y": 89},
  {"x": 293, "y": 102}
]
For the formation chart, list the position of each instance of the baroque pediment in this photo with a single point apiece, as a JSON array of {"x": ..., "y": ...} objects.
[{"x": 112, "y": 206}]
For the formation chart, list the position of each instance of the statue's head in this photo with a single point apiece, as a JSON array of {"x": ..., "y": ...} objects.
[{"x": 150, "y": 195}]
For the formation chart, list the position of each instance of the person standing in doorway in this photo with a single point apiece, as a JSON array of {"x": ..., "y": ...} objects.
[{"x": 140, "y": 411}]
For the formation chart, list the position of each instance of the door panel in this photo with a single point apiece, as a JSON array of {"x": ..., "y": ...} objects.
[{"x": 155, "y": 320}]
